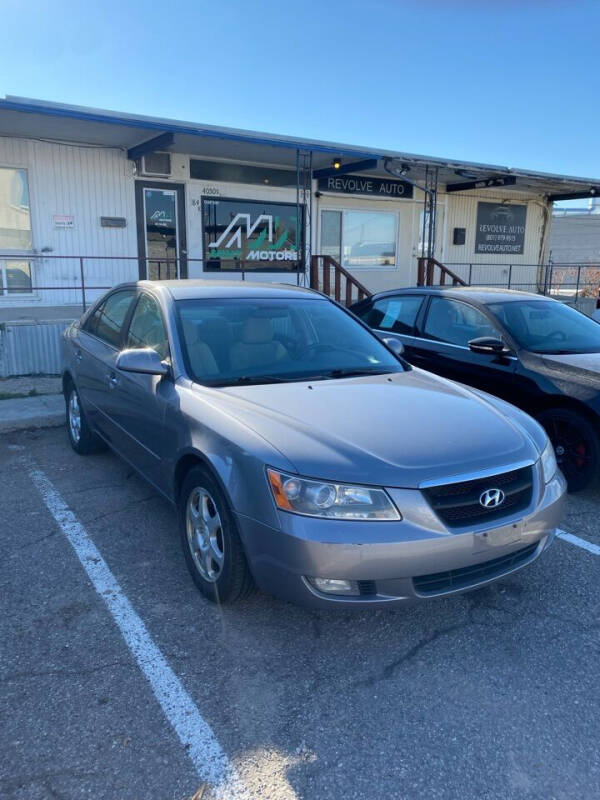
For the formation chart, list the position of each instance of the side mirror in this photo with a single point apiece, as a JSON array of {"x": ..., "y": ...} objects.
[
  {"x": 489, "y": 345},
  {"x": 395, "y": 345},
  {"x": 144, "y": 360}
]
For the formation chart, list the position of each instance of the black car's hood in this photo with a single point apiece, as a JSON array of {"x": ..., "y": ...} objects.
[{"x": 580, "y": 368}]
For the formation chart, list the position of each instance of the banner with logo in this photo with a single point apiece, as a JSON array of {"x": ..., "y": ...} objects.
[{"x": 252, "y": 234}]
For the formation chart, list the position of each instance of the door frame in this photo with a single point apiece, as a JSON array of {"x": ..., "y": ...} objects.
[{"x": 179, "y": 189}]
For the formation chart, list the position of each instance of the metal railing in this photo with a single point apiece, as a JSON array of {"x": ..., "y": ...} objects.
[
  {"x": 321, "y": 269},
  {"x": 426, "y": 273},
  {"x": 574, "y": 283},
  {"x": 78, "y": 280}
]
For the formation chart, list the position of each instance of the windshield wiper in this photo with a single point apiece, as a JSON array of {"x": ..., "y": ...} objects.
[
  {"x": 250, "y": 379},
  {"x": 355, "y": 372}
]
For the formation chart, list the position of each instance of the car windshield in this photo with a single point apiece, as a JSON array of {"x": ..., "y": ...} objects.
[
  {"x": 271, "y": 340},
  {"x": 547, "y": 326}
]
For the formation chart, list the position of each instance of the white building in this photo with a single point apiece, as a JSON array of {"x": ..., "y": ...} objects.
[{"x": 113, "y": 197}]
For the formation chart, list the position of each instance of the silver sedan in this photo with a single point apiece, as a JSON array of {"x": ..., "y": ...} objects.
[{"x": 302, "y": 454}]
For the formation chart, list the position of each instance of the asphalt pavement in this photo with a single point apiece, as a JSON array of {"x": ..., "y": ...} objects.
[{"x": 492, "y": 694}]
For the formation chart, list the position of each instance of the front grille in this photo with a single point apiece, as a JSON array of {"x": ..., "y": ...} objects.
[
  {"x": 464, "y": 577},
  {"x": 457, "y": 504},
  {"x": 367, "y": 587}
]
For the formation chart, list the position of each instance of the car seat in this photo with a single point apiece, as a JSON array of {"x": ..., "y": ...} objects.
[
  {"x": 256, "y": 348},
  {"x": 202, "y": 361},
  {"x": 216, "y": 333}
]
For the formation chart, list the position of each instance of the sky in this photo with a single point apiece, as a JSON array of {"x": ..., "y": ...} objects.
[{"x": 508, "y": 82}]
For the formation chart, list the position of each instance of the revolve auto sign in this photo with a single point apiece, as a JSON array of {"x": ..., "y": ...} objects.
[
  {"x": 500, "y": 228},
  {"x": 359, "y": 184}
]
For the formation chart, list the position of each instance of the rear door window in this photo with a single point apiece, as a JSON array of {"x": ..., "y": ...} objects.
[
  {"x": 395, "y": 314},
  {"x": 107, "y": 321}
]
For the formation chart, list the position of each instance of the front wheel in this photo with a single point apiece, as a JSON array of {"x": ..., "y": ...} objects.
[
  {"x": 212, "y": 547},
  {"x": 576, "y": 445},
  {"x": 82, "y": 438}
]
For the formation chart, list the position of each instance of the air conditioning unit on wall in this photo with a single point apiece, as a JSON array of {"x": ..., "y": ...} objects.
[{"x": 155, "y": 165}]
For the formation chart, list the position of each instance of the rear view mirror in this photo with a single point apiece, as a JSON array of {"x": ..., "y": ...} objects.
[
  {"x": 488, "y": 344},
  {"x": 395, "y": 345},
  {"x": 144, "y": 359}
]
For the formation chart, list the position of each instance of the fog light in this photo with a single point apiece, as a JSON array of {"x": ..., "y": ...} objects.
[{"x": 335, "y": 586}]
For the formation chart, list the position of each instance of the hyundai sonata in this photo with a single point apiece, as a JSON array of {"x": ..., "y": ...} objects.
[{"x": 303, "y": 454}]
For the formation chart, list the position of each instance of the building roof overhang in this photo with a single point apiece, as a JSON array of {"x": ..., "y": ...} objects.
[{"x": 138, "y": 134}]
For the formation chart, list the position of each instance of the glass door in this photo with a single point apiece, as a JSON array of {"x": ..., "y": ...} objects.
[{"x": 161, "y": 231}]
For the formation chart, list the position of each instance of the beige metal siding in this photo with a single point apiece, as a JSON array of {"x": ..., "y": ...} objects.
[{"x": 462, "y": 213}]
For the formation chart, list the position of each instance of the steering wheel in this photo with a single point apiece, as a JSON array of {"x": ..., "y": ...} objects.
[{"x": 559, "y": 336}]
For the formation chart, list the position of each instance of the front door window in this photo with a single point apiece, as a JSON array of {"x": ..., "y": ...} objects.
[{"x": 162, "y": 249}]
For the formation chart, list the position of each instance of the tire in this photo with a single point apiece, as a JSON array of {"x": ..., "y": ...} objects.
[
  {"x": 82, "y": 439},
  {"x": 576, "y": 445},
  {"x": 211, "y": 544}
]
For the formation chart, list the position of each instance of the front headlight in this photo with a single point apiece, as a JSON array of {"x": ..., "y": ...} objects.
[
  {"x": 549, "y": 465},
  {"x": 332, "y": 500}
]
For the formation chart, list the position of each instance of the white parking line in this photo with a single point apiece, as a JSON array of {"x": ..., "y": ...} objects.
[
  {"x": 210, "y": 762},
  {"x": 569, "y": 537}
]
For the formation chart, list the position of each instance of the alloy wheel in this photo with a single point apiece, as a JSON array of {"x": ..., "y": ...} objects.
[
  {"x": 205, "y": 534},
  {"x": 74, "y": 416},
  {"x": 571, "y": 449}
]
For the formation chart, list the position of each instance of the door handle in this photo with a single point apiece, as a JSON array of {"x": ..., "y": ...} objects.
[
  {"x": 113, "y": 380},
  {"x": 78, "y": 355}
]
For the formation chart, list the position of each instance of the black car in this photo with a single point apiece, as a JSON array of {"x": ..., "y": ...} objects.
[{"x": 535, "y": 352}]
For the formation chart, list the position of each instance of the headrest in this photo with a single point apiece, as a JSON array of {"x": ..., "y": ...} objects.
[
  {"x": 190, "y": 330},
  {"x": 257, "y": 330}
]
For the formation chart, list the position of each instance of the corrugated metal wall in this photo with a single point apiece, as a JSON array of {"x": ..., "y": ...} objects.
[
  {"x": 575, "y": 239},
  {"x": 86, "y": 183},
  {"x": 30, "y": 349}
]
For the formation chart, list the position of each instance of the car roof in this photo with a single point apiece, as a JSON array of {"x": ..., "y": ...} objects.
[
  {"x": 478, "y": 294},
  {"x": 192, "y": 289}
]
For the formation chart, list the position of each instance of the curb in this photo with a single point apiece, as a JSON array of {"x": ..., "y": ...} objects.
[{"x": 47, "y": 411}]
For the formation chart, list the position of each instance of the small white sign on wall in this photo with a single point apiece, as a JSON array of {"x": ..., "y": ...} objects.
[{"x": 63, "y": 221}]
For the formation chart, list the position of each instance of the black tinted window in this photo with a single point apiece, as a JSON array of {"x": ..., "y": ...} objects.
[
  {"x": 397, "y": 314},
  {"x": 456, "y": 323},
  {"x": 147, "y": 328},
  {"x": 106, "y": 322},
  {"x": 545, "y": 326}
]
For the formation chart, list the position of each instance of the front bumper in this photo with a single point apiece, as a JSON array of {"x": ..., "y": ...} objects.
[{"x": 386, "y": 557}]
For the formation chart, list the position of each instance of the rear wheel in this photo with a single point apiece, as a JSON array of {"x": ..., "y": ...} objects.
[
  {"x": 576, "y": 445},
  {"x": 212, "y": 547},
  {"x": 82, "y": 439}
]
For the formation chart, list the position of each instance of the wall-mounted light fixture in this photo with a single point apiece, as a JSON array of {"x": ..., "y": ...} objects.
[{"x": 336, "y": 163}]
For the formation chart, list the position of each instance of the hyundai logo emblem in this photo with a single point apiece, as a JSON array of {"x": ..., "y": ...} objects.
[{"x": 491, "y": 498}]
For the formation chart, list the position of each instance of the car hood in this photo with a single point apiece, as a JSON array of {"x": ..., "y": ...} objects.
[
  {"x": 582, "y": 368},
  {"x": 389, "y": 430}
]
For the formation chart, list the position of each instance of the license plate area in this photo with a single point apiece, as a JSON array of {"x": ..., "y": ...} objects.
[{"x": 498, "y": 537}]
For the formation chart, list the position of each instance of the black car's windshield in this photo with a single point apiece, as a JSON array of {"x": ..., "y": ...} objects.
[
  {"x": 546, "y": 326},
  {"x": 272, "y": 340}
]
